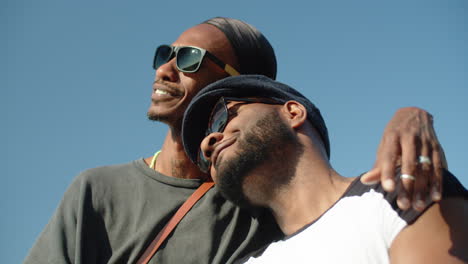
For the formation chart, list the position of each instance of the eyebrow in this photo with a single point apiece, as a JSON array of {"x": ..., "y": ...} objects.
[{"x": 233, "y": 110}]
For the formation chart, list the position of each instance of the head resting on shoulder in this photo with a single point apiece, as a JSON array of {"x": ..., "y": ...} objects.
[{"x": 196, "y": 116}]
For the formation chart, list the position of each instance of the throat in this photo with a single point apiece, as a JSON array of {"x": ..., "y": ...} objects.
[
  {"x": 303, "y": 204},
  {"x": 172, "y": 161},
  {"x": 177, "y": 168},
  {"x": 184, "y": 169}
]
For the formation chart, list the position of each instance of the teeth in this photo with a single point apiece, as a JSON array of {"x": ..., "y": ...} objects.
[{"x": 160, "y": 92}]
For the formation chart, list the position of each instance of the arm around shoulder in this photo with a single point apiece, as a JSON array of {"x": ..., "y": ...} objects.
[{"x": 440, "y": 235}]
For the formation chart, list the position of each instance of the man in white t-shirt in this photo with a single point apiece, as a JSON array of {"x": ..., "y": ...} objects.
[{"x": 267, "y": 146}]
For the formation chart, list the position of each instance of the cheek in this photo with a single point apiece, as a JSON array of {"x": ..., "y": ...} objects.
[
  {"x": 207, "y": 75},
  {"x": 191, "y": 85},
  {"x": 190, "y": 88},
  {"x": 213, "y": 174}
]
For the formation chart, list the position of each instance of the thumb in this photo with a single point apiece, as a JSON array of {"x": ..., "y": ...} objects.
[{"x": 371, "y": 177}]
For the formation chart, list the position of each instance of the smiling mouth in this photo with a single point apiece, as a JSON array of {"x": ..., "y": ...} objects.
[
  {"x": 167, "y": 92},
  {"x": 158, "y": 91},
  {"x": 162, "y": 89},
  {"x": 219, "y": 148}
]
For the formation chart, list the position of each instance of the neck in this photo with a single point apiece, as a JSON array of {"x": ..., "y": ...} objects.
[
  {"x": 173, "y": 162},
  {"x": 314, "y": 188}
]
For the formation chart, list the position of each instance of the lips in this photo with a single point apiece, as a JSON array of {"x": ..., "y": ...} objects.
[
  {"x": 218, "y": 148},
  {"x": 163, "y": 90}
]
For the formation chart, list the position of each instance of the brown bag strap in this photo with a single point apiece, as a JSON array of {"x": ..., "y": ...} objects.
[{"x": 167, "y": 229}]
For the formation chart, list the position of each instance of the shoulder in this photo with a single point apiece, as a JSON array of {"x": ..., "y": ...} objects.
[
  {"x": 104, "y": 180},
  {"x": 451, "y": 188},
  {"x": 110, "y": 169},
  {"x": 104, "y": 174},
  {"x": 375, "y": 202},
  {"x": 440, "y": 233}
]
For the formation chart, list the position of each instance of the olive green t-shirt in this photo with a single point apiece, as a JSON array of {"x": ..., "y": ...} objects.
[{"x": 111, "y": 214}]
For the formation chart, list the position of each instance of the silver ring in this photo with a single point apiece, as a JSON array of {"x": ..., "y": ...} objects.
[
  {"x": 407, "y": 176},
  {"x": 424, "y": 159}
]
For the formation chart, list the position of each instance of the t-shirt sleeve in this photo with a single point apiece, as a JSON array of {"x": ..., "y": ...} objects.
[
  {"x": 60, "y": 240},
  {"x": 451, "y": 187}
]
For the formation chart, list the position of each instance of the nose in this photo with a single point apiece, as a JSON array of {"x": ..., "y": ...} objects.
[
  {"x": 208, "y": 144},
  {"x": 168, "y": 71}
]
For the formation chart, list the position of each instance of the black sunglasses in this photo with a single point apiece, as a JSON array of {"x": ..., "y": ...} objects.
[
  {"x": 219, "y": 118},
  {"x": 188, "y": 58}
]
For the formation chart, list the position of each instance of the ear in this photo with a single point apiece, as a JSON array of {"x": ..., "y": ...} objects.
[{"x": 295, "y": 112}]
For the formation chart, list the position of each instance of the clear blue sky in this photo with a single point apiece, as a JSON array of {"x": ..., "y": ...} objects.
[{"x": 76, "y": 82}]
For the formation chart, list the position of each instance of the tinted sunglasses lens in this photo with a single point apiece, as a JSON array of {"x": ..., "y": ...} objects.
[
  {"x": 219, "y": 118},
  {"x": 216, "y": 123},
  {"x": 189, "y": 59},
  {"x": 162, "y": 55}
]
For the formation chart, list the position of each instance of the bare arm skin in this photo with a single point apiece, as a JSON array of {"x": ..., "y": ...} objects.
[
  {"x": 440, "y": 235},
  {"x": 408, "y": 135}
]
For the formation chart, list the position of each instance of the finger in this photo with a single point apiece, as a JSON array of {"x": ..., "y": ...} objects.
[
  {"x": 438, "y": 163},
  {"x": 371, "y": 177},
  {"x": 387, "y": 161},
  {"x": 408, "y": 167},
  {"x": 403, "y": 200},
  {"x": 443, "y": 160},
  {"x": 424, "y": 177},
  {"x": 436, "y": 183}
]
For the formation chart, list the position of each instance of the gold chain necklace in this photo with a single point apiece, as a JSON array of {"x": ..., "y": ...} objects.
[{"x": 153, "y": 161}]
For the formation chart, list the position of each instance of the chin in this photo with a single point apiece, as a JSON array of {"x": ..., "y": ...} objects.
[
  {"x": 153, "y": 116},
  {"x": 162, "y": 114}
]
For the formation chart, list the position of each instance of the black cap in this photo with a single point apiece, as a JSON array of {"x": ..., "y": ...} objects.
[{"x": 196, "y": 116}]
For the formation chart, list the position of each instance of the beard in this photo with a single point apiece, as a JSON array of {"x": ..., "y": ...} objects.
[
  {"x": 265, "y": 144},
  {"x": 155, "y": 117}
]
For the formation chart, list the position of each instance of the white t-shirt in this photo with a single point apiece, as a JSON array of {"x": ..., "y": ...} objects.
[{"x": 358, "y": 228}]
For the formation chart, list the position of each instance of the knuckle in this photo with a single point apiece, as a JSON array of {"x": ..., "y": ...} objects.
[
  {"x": 389, "y": 157},
  {"x": 427, "y": 142},
  {"x": 391, "y": 136},
  {"x": 407, "y": 185},
  {"x": 435, "y": 145},
  {"x": 409, "y": 166},
  {"x": 426, "y": 168},
  {"x": 438, "y": 166}
]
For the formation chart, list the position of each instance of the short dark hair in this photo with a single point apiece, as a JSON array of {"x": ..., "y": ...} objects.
[{"x": 253, "y": 50}]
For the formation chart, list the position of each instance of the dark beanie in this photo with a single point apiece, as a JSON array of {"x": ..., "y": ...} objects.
[
  {"x": 196, "y": 116},
  {"x": 253, "y": 51}
]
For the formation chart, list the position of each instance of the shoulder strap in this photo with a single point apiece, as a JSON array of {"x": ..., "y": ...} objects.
[{"x": 167, "y": 229}]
